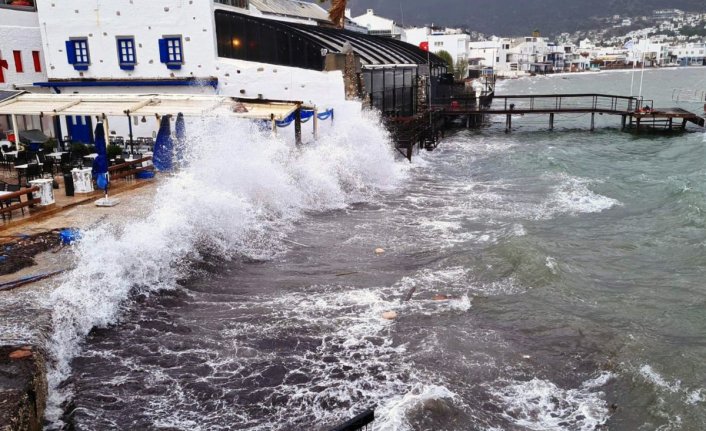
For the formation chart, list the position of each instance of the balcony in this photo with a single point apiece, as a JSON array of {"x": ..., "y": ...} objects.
[{"x": 24, "y": 5}]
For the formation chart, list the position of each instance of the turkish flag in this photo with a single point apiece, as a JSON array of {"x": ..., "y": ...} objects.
[{"x": 424, "y": 46}]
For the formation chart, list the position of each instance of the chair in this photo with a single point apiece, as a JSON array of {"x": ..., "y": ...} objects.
[
  {"x": 33, "y": 172},
  {"x": 48, "y": 167}
]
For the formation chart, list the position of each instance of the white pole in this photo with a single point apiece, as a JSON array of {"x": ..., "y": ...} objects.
[
  {"x": 642, "y": 74},
  {"x": 632, "y": 75},
  {"x": 16, "y": 130}
]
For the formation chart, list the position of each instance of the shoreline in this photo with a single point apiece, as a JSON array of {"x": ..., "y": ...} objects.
[{"x": 596, "y": 72}]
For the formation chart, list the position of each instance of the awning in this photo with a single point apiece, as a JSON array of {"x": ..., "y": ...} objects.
[{"x": 147, "y": 104}]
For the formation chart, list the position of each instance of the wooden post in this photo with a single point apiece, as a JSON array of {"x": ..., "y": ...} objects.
[
  {"x": 551, "y": 121},
  {"x": 593, "y": 121},
  {"x": 670, "y": 123},
  {"x": 274, "y": 124},
  {"x": 637, "y": 124},
  {"x": 508, "y": 123},
  {"x": 622, "y": 122},
  {"x": 298, "y": 126},
  {"x": 683, "y": 124}
]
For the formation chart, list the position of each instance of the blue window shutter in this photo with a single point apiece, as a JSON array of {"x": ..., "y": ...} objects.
[
  {"x": 71, "y": 51},
  {"x": 163, "y": 51}
]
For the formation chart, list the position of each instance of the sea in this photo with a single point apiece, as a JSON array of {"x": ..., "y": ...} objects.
[{"x": 541, "y": 280}]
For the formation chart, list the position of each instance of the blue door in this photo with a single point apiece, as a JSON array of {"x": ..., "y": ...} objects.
[{"x": 80, "y": 129}]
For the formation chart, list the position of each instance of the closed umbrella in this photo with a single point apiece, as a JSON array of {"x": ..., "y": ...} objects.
[
  {"x": 163, "y": 146},
  {"x": 100, "y": 167},
  {"x": 180, "y": 138}
]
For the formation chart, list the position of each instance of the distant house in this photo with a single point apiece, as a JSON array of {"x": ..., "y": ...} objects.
[
  {"x": 453, "y": 41},
  {"x": 21, "y": 58},
  {"x": 377, "y": 25}
]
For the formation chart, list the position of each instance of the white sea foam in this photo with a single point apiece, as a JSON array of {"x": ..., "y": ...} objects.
[
  {"x": 652, "y": 376},
  {"x": 550, "y": 263},
  {"x": 572, "y": 196},
  {"x": 392, "y": 416},
  {"x": 541, "y": 405},
  {"x": 238, "y": 196}
]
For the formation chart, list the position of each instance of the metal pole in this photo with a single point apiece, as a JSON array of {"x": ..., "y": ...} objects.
[
  {"x": 642, "y": 74},
  {"x": 15, "y": 128},
  {"x": 129, "y": 124},
  {"x": 316, "y": 124}
]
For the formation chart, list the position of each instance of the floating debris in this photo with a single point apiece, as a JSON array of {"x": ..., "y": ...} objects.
[
  {"x": 379, "y": 251},
  {"x": 389, "y": 315}
]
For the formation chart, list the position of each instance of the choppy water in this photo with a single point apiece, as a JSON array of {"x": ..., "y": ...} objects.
[{"x": 572, "y": 263}]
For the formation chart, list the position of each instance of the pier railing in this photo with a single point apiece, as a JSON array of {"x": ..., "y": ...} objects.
[{"x": 555, "y": 103}]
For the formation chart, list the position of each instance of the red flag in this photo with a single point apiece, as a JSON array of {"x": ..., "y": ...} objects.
[{"x": 424, "y": 46}]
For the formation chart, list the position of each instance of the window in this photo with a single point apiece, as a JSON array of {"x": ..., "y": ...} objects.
[
  {"x": 126, "y": 53},
  {"x": 171, "y": 52},
  {"x": 27, "y": 5},
  {"x": 37, "y": 61},
  {"x": 18, "y": 61},
  {"x": 77, "y": 53}
]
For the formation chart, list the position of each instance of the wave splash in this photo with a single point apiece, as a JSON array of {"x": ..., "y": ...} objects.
[{"x": 238, "y": 196}]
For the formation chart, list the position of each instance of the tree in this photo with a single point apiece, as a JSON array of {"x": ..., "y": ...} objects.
[
  {"x": 461, "y": 69},
  {"x": 446, "y": 56}
]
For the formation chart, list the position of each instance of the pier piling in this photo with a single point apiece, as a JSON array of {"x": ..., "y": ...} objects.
[{"x": 551, "y": 121}]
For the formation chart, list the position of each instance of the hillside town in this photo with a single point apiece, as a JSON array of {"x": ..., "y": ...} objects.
[{"x": 669, "y": 37}]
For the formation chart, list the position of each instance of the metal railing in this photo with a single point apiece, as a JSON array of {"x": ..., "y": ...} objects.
[{"x": 557, "y": 103}]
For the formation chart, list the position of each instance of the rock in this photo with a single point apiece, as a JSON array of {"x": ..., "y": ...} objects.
[
  {"x": 379, "y": 251},
  {"x": 23, "y": 388},
  {"x": 389, "y": 315}
]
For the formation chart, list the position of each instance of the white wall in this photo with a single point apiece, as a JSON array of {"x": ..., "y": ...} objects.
[
  {"x": 148, "y": 21},
  {"x": 19, "y": 31}
]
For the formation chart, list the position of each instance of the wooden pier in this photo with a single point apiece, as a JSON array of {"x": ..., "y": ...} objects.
[{"x": 636, "y": 113}]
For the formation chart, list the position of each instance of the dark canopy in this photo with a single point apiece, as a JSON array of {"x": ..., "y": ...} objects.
[{"x": 248, "y": 38}]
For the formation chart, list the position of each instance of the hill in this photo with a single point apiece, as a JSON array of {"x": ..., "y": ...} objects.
[{"x": 517, "y": 17}]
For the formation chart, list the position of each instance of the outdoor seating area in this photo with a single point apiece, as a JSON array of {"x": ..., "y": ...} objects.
[{"x": 70, "y": 175}]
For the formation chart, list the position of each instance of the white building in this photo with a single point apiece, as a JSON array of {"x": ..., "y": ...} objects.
[
  {"x": 21, "y": 58},
  {"x": 692, "y": 54},
  {"x": 378, "y": 25},
  {"x": 454, "y": 41},
  {"x": 653, "y": 54},
  {"x": 227, "y": 47}
]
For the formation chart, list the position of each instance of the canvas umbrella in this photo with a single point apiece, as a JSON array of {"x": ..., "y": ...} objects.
[
  {"x": 163, "y": 146},
  {"x": 180, "y": 138},
  {"x": 100, "y": 166}
]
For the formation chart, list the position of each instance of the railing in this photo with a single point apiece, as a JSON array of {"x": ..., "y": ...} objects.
[
  {"x": 556, "y": 103},
  {"x": 130, "y": 168},
  {"x": 18, "y": 194},
  {"x": 569, "y": 102},
  {"x": 358, "y": 423}
]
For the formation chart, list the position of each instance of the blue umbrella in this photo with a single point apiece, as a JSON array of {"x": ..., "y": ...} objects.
[
  {"x": 100, "y": 163},
  {"x": 163, "y": 146},
  {"x": 180, "y": 138}
]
